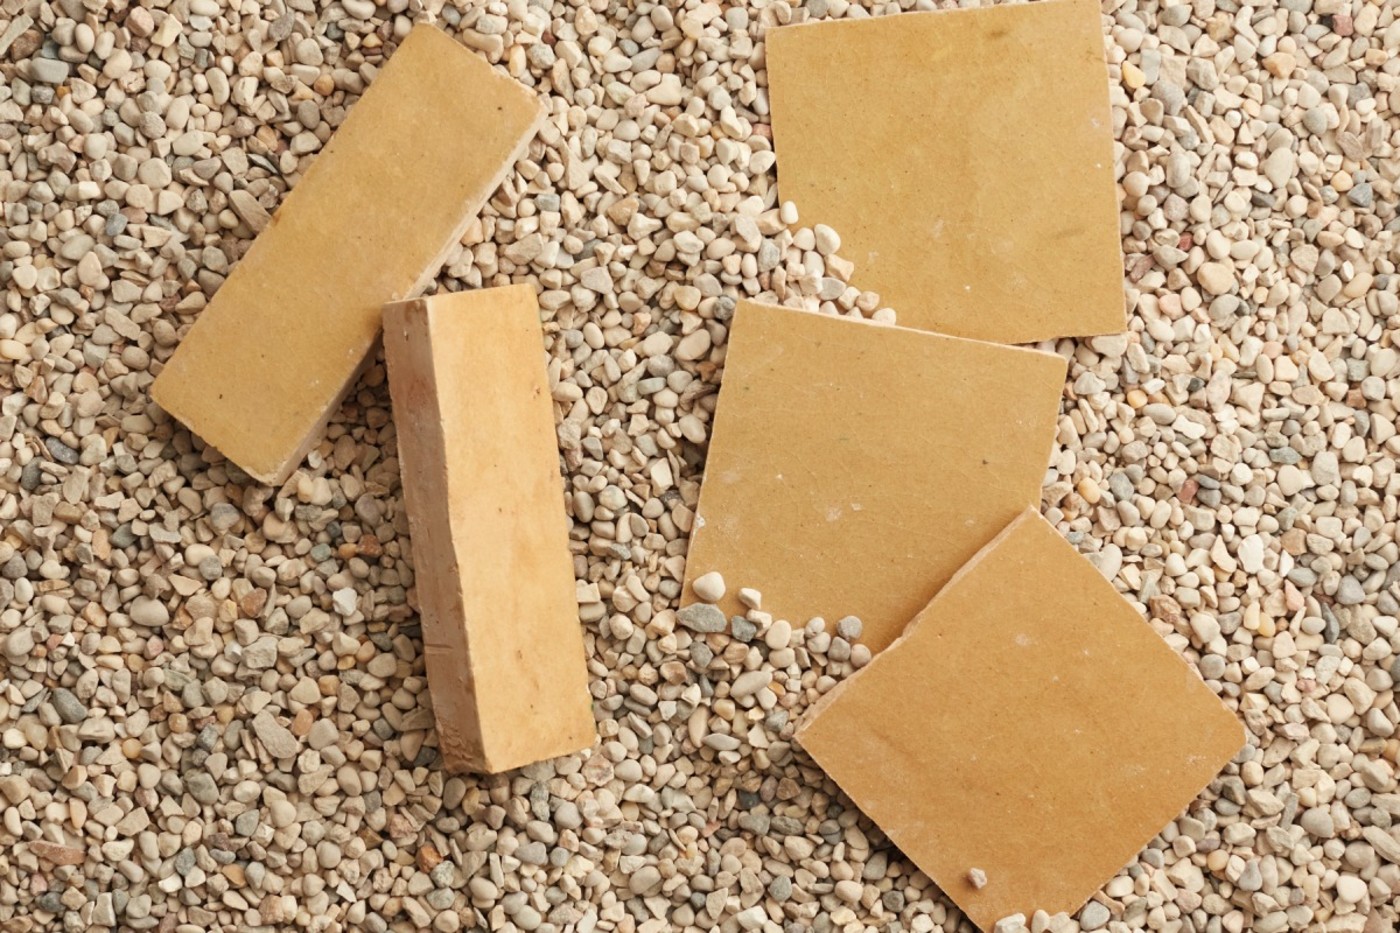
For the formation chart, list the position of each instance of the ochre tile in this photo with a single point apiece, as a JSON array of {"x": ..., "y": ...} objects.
[
  {"x": 853, "y": 468},
  {"x": 1029, "y": 724},
  {"x": 282, "y": 341},
  {"x": 966, "y": 159},
  {"x": 480, "y": 464}
]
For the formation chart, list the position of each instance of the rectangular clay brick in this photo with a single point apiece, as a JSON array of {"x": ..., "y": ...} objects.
[
  {"x": 282, "y": 341},
  {"x": 480, "y": 465},
  {"x": 1029, "y": 724}
]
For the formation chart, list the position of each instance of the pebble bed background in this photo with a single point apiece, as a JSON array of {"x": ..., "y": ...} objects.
[{"x": 213, "y": 715}]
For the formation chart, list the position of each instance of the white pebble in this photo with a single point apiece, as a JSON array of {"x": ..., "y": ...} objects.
[{"x": 709, "y": 586}]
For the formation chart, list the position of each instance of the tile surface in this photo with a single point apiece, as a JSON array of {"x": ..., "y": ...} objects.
[
  {"x": 1030, "y": 723},
  {"x": 853, "y": 468},
  {"x": 966, "y": 159}
]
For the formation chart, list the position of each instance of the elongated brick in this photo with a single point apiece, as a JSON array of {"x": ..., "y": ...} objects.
[
  {"x": 283, "y": 339},
  {"x": 480, "y": 466}
]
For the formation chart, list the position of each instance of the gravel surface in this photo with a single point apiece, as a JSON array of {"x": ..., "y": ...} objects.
[{"x": 213, "y": 715}]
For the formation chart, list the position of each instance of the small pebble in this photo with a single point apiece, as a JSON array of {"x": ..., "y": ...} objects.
[
  {"x": 69, "y": 708},
  {"x": 1093, "y": 916},
  {"x": 48, "y": 70},
  {"x": 1351, "y": 889},
  {"x": 701, "y": 617},
  {"x": 709, "y": 587}
]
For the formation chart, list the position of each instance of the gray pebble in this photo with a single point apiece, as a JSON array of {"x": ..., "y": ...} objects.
[
  {"x": 31, "y": 474},
  {"x": 787, "y": 826},
  {"x": 69, "y": 708},
  {"x": 246, "y": 823},
  {"x": 202, "y": 788},
  {"x": 223, "y": 517},
  {"x": 1212, "y": 666},
  {"x": 742, "y": 629},
  {"x": 282, "y": 27},
  {"x": 755, "y": 822},
  {"x": 1350, "y": 592},
  {"x": 1302, "y": 576},
  {"x": 48, "y": 70},
  {"x": 768, "y": 256},
  {"x": 701, "y": 617},
  {"x": 61, "y": 451},
  {"x": 1360, "y": 194},
  {"x": 1093, "y": 916},
  {"x": 441, "y": 874},
  {"x": 14, "y": 568},
  {"x": 533, "y": 853}
]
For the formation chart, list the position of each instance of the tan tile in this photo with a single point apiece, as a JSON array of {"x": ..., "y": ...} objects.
[
  {"x": 1029, "y": 724},
  {"x": 853, "y": 468},
  {"x": 283, "y": 340},
  {"x": 966, "y": 159},
  {"x": 480, "y": 465}
]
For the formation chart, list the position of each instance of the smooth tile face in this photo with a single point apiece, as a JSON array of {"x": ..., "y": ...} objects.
[
  {"x": 966, "y": 159},
  {"x": 853, "y": 468},
  {"x": 283, "y": 339},
  {"x": 502, "y": 641},
  {"x": 1030, "y": 724}
]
